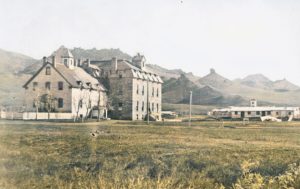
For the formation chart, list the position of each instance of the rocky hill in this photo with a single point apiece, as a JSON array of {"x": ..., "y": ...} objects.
[
  {"x": 284, "y": 86},
  {"x": 215, "y": 80},
  {"x": 178, "y": 91},
  {"x": 257, "y": 81}
]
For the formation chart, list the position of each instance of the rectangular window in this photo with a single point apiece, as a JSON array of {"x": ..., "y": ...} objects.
[
  {"x": 34, "y": 85},
  {"x": 80, "y": 104},
  {"x": 249, "y": 113},
  {"x": 143, "y": 91},
  {"x": 48, "y": 71},
  {"x": 157, "y": 94},
  {"x": 258, "y": 113},
  {"x": 137, "y": 116},
  {"x": 152, "y": 91},
  {"x": 48, "y": 85},
  {"x": 277, "y": 113},
  {"x": 143, "y": 106},
  {"x": 60, "y": 103},
  {"x": 152, "y": 107},
  {"x": 60, "y": 85},
  {"x": 137, "y": 89},
  {"x": 290, "y": 113},
  {"x": 236, "y": 113},
  {"x": 157, "y": 107},
  {"x": 120, "y": 76},
  {"x": 120, "y": 106},
  {"x": 268, "y": 112},
  {"x": 137, "y": 105}
]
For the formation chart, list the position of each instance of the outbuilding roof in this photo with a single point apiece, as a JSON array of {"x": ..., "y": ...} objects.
[{"x": 258, "y": 108}]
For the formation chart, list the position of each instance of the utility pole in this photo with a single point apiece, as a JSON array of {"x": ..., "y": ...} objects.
[
  {"x": 148, "y": 106},
  {"x": 190, "y": 116}
]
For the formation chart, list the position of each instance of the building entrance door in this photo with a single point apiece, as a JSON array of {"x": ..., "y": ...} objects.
[{"x": 242, "y": 114}]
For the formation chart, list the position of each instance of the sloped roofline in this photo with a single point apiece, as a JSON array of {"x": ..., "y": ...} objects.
[{"x": 26, "y": 84}]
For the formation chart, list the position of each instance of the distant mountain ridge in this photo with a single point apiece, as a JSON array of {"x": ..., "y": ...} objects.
[{"x": 212, "y": 89}]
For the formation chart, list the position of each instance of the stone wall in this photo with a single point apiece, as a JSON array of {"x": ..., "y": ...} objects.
[
  {"x": 32, "y": 94},
  {"x": 139, "y": 108}
]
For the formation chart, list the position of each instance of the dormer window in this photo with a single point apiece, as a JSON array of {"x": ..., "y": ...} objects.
[{"x": 48, "y": 71}]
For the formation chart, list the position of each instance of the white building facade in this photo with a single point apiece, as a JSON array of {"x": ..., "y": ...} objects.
[{"x": 62, "y": 90}]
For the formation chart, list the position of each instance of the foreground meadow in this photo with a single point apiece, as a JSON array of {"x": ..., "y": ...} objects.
[{"x": 135, "y": 155}]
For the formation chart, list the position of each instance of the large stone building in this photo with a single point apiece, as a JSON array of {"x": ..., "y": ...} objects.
[
  {"x": 122, "y": 89},
  {"x": 63, "y": 89},
  {"x": 133, "y": 91}
]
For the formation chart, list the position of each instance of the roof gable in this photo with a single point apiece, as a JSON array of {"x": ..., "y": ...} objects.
[{"x": 42, "y": 68}]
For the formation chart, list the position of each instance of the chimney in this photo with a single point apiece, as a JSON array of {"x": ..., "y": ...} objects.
[
  {"x": 44, "y": 60},
  {"x": 88, "y": 62},
  {"x": 114, "y": 63},
  {"x": 53, "y": 61}
]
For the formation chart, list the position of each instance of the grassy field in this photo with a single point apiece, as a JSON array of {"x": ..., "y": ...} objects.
[
  {"x": 135, "y": 155},
  {"x": 183, "y": 109}
]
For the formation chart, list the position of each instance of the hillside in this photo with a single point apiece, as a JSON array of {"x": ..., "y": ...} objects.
[
  {"x": 13, "y": 63},
  {"x": 11, "y": 66},
  {"x": 164, "y": 73},
  {"x": 79, "y": 53},
  {"x": 257, "y": 81},
  {"x": 178, "y": 91},
  {"x": 284, "y": 86},
  {"x": 215, "y": 80}
]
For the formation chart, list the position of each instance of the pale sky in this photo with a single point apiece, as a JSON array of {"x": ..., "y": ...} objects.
[{"x": 235, "y": 37}]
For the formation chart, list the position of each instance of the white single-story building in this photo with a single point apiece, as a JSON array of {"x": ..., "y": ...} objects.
[{"x": 254, "y": 111}]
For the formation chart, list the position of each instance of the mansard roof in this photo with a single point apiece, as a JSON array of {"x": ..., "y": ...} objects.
[{"x": 136, "y": 72}]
